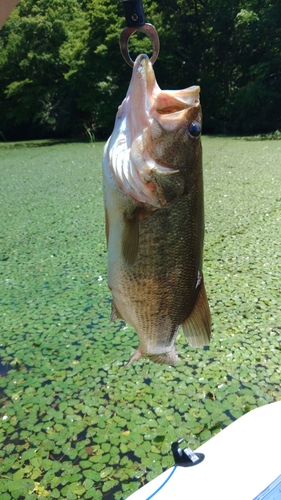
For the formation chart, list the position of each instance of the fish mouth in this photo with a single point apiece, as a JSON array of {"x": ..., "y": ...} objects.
[{"x": 147, "y": 99}]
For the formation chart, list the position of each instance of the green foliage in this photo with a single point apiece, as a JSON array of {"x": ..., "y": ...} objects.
[
  {"x": 61, "y": 72},
  {"x": 256, "y": 95}
]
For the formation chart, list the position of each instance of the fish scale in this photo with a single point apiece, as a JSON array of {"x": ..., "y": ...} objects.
[{"x": 166, "y": 254}]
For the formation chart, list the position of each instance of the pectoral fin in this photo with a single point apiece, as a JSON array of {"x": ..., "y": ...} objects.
[
  {"x": 106, "y": 227},
  {"x": 115, "y": 314},
  {"x": 197, "y": 326},
  {"x": 130, "y": 238}
]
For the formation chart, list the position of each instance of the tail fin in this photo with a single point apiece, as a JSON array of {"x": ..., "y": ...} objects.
[{"x": 167, "y": 358}]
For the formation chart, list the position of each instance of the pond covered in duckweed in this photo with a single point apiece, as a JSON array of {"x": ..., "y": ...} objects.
[{"x": 74, "y": 422}]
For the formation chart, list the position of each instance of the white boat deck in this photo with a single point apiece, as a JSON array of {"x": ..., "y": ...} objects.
[{"x": 240, "y": 463}]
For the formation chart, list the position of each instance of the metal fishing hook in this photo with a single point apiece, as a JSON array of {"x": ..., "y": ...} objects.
[
  {"x": 147, "y": 29},
  {"x": 135, "y": 21}
]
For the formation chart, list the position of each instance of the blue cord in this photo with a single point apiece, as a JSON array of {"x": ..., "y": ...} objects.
[{"x": 162, "y": 485}]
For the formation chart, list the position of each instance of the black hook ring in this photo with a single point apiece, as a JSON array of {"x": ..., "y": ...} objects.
[{"x": 147, "y": 29}]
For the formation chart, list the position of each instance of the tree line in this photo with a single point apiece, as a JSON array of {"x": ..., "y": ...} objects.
[{"x": 62, "y": 74}]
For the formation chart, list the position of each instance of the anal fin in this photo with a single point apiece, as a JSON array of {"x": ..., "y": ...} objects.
[
  {"x": 197, "y": 326},
  {"x": 137, "y": 355},
  {"x": 130, "y": 238}
]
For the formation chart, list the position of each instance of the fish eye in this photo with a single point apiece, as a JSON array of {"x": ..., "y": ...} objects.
[{"x": 194, "y": 129}]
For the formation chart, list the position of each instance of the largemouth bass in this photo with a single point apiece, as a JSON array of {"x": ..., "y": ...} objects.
[{"x": 153, "y": 196}]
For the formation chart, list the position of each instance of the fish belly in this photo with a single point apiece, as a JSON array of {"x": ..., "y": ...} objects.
[{"x": 158, "y": 291}]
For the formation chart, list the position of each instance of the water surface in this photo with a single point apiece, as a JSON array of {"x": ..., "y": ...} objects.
[{"x": 74, "y": 423}]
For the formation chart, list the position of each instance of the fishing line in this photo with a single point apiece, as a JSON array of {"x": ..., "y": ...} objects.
[{"x": 163, "y": 484}]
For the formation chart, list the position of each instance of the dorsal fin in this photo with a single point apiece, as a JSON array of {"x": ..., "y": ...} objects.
[
  {"x": 130, "y": 238},
  {"x": 197, "y": 326}
]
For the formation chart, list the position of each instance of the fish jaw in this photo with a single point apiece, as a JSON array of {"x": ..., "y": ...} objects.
[
  {"x": 142, "y": 92},
  {"x": 124, "y": 149},
  {"x": 144, "y": 165}
]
